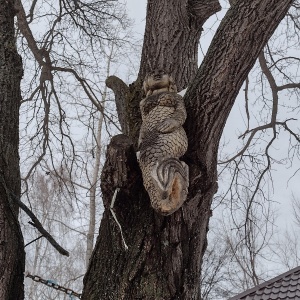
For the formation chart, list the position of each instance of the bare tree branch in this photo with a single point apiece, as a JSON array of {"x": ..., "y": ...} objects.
[
  {"x": 120, "y": 90},
  {"x": 37, "y": 224}
]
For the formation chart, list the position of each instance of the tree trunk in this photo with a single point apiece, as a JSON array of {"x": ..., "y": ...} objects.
[
  {"x": 164, "y": 255},
  {"x": 12, "y": 255},
  {"x": 172, "y": 36}
]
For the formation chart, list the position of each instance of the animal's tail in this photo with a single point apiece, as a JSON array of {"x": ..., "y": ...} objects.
[{"x": 171, "y": 181}]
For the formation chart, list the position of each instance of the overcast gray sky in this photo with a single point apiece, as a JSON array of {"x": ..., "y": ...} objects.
[{"x": 137, "y": 11}]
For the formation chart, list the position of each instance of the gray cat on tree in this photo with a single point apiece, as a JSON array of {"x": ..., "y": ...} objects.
[{"x": 162, "y": 141}]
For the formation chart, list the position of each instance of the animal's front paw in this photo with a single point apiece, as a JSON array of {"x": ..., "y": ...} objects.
[{"x": 168, "y": 125}]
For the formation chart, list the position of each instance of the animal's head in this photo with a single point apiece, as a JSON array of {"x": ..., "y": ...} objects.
[{"x": 158, "y": 81}]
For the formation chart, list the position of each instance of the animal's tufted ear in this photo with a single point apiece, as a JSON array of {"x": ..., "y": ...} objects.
[
  {"x": 145, "y": 85},
  {"x": 172, "y": 85},
  {"x": 147, "y": 91}
]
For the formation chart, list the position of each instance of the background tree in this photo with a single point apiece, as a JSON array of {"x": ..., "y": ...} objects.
[
  {"x": 12, "y": 255},
  {"x": 164, "y": 255},
  {"x": 241, "y": 249}
]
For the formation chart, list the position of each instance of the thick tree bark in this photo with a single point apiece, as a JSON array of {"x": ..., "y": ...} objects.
[
  {"x": 164, "y": 257},
  {"x": 172, "y": 35},
  {"x": 12, "y": 255}
]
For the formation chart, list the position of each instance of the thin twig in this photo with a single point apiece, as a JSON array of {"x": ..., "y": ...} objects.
[{"x": 33, "y": 241}]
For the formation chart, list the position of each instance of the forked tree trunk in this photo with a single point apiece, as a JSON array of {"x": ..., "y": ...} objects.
[
  {"x": 12, "y": 255},
  {"x": 164, "y": 255}
]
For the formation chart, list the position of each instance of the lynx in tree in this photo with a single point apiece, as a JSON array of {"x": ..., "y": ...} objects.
[{"x": 162, "y": 141}]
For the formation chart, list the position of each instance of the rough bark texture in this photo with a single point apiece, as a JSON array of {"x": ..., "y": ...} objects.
[
  {"x": 120, "y": 90},
  {"x": 12, "y": 256},
  {"x": 165, "y": 253},
  {"x": 172, "y": 35}
]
